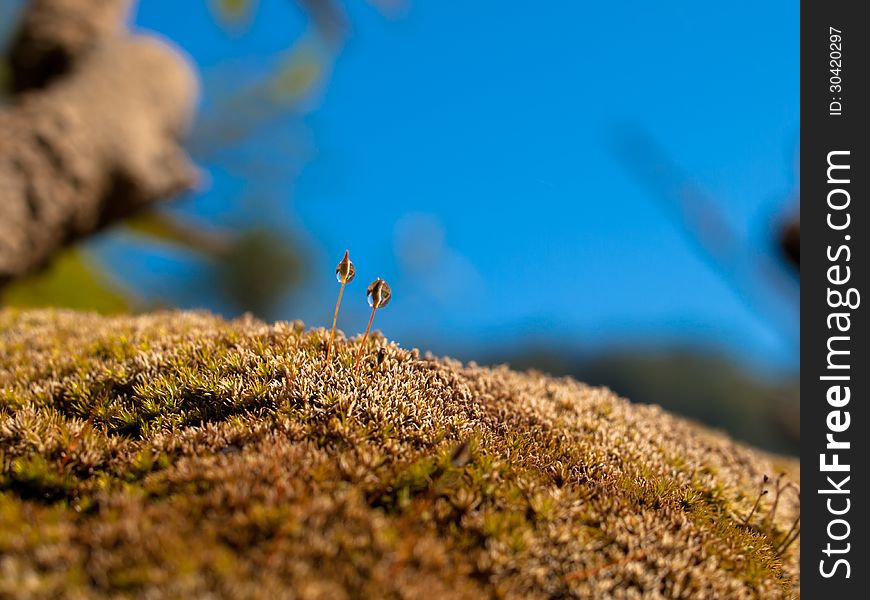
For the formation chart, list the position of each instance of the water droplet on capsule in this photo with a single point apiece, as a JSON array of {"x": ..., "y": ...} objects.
[
  {"x": 379, "y": 293},
  {"x": 345, "y": 271}
]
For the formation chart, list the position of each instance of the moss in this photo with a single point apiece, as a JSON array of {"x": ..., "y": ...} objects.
[
  {"x": 35, "y": 477},
  {"x": 190, "y": 456}
]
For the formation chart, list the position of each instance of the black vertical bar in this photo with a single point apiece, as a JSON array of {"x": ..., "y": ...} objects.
[{"x": 835, "y": 221}]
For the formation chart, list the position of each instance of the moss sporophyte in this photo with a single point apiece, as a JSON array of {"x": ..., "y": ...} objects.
[
  {"x": 767, "y": 523},
  {"x": 344, "y": 272},
  {"x": 378, "y": 295}
]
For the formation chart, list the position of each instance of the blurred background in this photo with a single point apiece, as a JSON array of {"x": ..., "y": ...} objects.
[{"x": 590, "y": 189}]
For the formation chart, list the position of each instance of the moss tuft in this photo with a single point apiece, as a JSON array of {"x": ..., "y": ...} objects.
[{"x": 190, "y": 456}]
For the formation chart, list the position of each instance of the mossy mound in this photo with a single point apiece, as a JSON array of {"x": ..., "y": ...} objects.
[{"x": 188, "y": 456}]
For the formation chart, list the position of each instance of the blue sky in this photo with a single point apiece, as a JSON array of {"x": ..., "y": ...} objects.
[{"x": 463, "y": 151}]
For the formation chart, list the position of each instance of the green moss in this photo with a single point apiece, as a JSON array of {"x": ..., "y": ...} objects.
[
  {"x": 34, "y": 477},
  {"x": 211, "y": 457}
]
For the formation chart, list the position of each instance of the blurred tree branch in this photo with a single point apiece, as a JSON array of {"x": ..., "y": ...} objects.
[
  {"x": 93, "y": 134},
  {"x": 763, "y": 282},
  {"x": 790, "y": 241}
]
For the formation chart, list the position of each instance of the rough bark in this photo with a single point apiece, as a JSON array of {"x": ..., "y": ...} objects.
[
  {"x": 54, "y": 33},
  {"x": 96, "y": 135}
]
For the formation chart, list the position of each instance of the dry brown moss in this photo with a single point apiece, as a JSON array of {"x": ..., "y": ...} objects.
[{"x": 227, "y": 459}]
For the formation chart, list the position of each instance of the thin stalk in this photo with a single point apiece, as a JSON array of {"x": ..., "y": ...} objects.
[
  {"x": 335, "y": 319},
  {"x": 761, "y": 493},
  {"x": 365, "y": 335},
  {"x": 771, "y": 515},
  {"x": 793, "y": 534}
]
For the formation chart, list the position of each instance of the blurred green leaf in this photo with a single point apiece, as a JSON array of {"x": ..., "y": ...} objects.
[
  {"x": 163, "y": 227},
  {"x": 259, "y": 269},
  {"x": 71, "y": 281},
  {"x": 233, "y": 11},
  {"x": 298, "y": 75}
]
